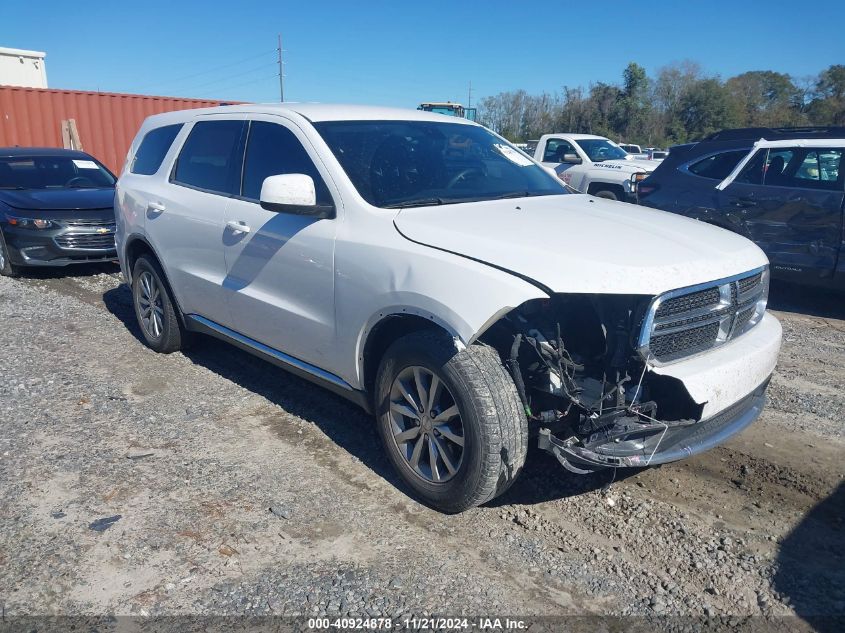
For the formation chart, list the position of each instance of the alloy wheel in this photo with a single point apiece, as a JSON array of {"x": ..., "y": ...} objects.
[
  {"x": 150, "y": 305},
  {"x": 426, "y": 425}
]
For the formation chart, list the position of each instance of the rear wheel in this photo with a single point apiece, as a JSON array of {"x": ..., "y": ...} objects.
[
  {"x": 451, "y": 421},
  {"x": 7, "y": 268},
  {"x": 155, "y": 308}
]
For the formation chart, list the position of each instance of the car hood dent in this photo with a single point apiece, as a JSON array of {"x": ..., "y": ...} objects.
[
  {"x": 581, "y": 244},
  {"x": 53, "y": 199}
]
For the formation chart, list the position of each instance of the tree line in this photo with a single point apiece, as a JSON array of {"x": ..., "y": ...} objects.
[{"x": 679, "y": 105}]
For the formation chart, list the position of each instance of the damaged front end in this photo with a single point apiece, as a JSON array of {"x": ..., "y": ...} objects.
[{"x": 588, "y": 383}]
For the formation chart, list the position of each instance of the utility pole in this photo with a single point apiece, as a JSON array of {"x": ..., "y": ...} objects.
[
  {"x": 469, "y": 96},
  {"x": 281, "y": 73}
]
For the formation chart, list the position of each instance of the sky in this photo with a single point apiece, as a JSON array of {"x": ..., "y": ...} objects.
[{"x": 402, "y": 53}]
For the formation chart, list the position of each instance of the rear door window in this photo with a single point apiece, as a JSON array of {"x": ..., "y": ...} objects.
[
  {"x": 153, "y": 149},
  {"x": 271, "y": 150},
  {"x": 212, "y": 156},
  {"x": 718, "y": 166}
]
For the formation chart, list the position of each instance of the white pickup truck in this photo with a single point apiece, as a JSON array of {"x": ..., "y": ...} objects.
[{"x": 593, "y": 164}]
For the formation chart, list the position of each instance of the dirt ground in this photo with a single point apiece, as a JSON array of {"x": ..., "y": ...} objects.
[{"x": 243, "y": 490}]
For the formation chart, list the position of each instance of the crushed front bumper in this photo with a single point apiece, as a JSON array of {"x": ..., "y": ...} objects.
[
  {"x": 728, "y": 382},
  {"x": 656, "y": 443}
]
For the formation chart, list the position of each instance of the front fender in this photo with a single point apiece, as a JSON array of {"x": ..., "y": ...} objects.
[{"x": 461, "y": 296}]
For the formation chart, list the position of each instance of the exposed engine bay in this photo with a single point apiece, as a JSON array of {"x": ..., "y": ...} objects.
[{"x": 586, "y": 390}]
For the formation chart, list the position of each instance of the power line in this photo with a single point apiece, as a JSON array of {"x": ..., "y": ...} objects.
[
  {"x": 206, "y": 72},
  {"x": 245, "y": 83},
  {"x": 228, "y": 78}
]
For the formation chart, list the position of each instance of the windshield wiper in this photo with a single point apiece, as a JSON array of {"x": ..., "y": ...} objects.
[
  {"x": 512, "y": 194},
  {"x": 419, "y": 202},
  {"x": 14, "y": 187}
]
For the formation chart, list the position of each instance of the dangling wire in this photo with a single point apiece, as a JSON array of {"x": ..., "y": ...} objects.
[{"x": 642, "y": 376}]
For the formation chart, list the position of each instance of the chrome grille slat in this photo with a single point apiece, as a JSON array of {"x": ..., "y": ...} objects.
[
  {"x": 689, "y": 321},
  {"x": 691, "y": 317},
  {"x": 88, "y": 223},
  {"x": 665, "y": 330}
]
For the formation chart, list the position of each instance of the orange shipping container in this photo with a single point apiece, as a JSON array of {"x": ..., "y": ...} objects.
[{"x": 106, "y": 122}]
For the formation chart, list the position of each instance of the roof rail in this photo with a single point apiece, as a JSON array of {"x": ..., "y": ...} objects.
[{"x": 775, "y": 133}]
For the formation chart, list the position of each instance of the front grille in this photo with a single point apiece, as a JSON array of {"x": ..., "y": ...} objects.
[
  {"x": 688, "y": 321},
  {"x": 742, "y": 318},
  {"x": 748, "y": 283},
  {"x": 88, "y": 241},
  {"x": 687, "y": 303},
  {"x": 89, "y": 223},
  {"x": 670, "y": 346}
]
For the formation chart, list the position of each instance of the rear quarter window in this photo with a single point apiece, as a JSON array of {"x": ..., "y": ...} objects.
[
  {"x": 820, "y": 169},
  {"x": 153, "y": 149},
  {"x": 717, "y": 166}
]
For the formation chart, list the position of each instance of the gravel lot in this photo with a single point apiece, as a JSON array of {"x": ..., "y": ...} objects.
[{"x": 243, "y": 490}]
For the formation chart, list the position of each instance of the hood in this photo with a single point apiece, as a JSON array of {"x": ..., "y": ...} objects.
[
  {"x": 55, "y": 199},
  {"x": 581, "y": 244}
]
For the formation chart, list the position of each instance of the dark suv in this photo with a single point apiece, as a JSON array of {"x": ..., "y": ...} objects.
[
  {"x": 787, "y": 194},
  {"x": 56, "y": 208}
]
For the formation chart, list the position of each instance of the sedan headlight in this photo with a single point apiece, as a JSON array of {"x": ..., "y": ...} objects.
[{"x": 29, "y": 223}]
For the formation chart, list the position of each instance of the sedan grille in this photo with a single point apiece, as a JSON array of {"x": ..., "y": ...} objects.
[
  {"x": 88, "y": 223},
  {"x": 689, "y": 321},
  {"x": 87, "y": 241}
]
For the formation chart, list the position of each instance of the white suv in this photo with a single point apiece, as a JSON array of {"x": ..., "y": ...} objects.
[{"x": 422, "y": 267}]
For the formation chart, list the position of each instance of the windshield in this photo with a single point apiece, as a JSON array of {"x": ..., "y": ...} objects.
[
  {"x": 52, "y": 172},
  {"x": 599, "y": 149},
  {"x": 419, "y": 163}
]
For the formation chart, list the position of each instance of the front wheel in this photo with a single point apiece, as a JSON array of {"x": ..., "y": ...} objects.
[
  {"x": 451, "y": 421},
  {"x": 607, "y": 194},
  {"x": 7, "y": 268}
]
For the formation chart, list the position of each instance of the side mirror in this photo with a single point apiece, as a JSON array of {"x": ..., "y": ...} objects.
[
  {"x": 572, "y": 159},
  {"x": 293, "y": 193}
]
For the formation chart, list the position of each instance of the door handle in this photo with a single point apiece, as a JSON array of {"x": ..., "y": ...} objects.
[
  {"x": 238, "y": 227},
  {"x": 156, "y": 206},
  {"x": 744, "y": 202}
]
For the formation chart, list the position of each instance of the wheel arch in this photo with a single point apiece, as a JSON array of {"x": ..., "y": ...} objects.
[
  {"x": 137, "y": 245},
  {"x": 600, "y": 185},
  {"x": 387, "y": 327}
]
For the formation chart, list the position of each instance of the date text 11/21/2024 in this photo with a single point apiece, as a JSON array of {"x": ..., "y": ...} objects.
[{"x": 417, "y": 624}]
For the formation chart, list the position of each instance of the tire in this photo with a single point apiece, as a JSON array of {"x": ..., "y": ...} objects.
[
  {"x": 7, "y": 268},
  {"x": 607, "y": 194},
  {"x": 161, "y": 325},
  {"x": 489, "y": 421}
]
